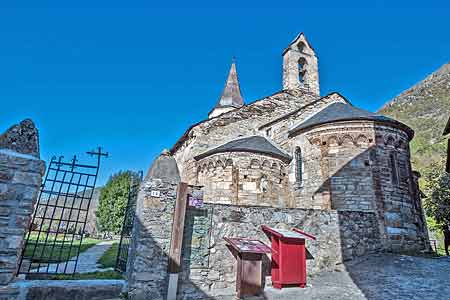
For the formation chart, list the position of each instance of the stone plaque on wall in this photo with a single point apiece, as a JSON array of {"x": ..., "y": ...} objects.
[{"x": 196, "y": 237}]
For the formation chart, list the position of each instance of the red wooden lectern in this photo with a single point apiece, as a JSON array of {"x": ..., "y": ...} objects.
[{"x": 288, "y": 256}]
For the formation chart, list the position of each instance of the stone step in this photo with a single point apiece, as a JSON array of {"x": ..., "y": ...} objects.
[{"x": 70, "y": 289}]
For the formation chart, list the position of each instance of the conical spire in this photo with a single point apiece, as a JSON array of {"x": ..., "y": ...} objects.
[{"x": 231, "y": 96}]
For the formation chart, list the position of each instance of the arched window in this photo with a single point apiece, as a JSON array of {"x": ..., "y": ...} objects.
[
  {"x": 300, "y": 47},
  {"x": 298, "y": 166},
  {"x": 301, "y": 70}
]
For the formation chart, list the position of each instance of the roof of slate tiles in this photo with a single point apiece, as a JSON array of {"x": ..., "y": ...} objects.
[
  {"x": 241, "y": 113},
  {"x": 253, "y": 144},
  {"x": 336, "y": 112},
  {"x": 347, "y": 113}
]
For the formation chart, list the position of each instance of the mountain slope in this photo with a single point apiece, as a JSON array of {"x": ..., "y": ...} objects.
[{"x": 425, "y": 108}]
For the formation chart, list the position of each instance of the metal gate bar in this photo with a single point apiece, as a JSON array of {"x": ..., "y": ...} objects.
[
  {"x": 127, "y": 227},
  {"x": 60, "y": 217}
]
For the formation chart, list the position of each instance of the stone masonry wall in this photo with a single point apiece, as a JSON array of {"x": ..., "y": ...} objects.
[
  {"x": 208, "y": 269},
  {"x": 300, "y": 66},
  {"x": 340, "y": 236},
  {"x": 396, "y": 191},
  {"x": 148, "y": 261},
  {"x": 243, "y": 179},
  {"x": 366, "y": 166},
  {"x": 278, "y": 129},
  {"x": 234, "y": 124},
  {"x": 21, "y": 173},
  {"x": 343, "y": 150},
  {"x": 245, "y": 122}
]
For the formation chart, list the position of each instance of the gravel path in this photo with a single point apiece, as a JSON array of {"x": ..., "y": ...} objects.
[
  {"x": 379, "y": 277},
  {"x": 87, "y": 261}
]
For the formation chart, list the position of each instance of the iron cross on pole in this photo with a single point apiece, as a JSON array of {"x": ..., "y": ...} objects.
[
  {"x": 99, "y": 153},
  {"x": 74, "y": 162}
]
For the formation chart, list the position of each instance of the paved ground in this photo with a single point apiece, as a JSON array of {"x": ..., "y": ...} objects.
[
  {"x": 87, "y": 261},
  {"x": 378, "y": 277}
]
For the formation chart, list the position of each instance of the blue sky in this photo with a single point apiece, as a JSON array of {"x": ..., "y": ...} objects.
[{"x": 133, "y": 75}]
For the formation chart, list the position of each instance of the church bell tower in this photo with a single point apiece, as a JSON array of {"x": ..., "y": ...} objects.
[{"x": 300, "y": 66}]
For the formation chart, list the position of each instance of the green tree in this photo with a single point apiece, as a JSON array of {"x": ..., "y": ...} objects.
[
  {"x": 437, "y": 190},
  {"x": 113, "y": 202}
]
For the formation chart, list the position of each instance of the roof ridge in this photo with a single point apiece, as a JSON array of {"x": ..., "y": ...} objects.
[
  {"x": 255, "y": 102},
  {"x": 275, "y": 145},
  {"x": 338, "y": 111},
  {"x": 303, "y": 107},
  {"x": 243, "y": 144}
]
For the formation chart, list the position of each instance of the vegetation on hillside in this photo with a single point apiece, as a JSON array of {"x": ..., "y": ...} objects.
[{"x": 426, "y": 109}]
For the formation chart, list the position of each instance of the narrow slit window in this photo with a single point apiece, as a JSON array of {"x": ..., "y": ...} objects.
[
  {"x": 394, "y": 168},
  {"x": 298, "y": 166}
]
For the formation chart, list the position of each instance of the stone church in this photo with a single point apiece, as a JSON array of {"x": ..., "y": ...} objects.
[
  {"x": 299, "y": 149},
  {"x": 292, "y": 159}
]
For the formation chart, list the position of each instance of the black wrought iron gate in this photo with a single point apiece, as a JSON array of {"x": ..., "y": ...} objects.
[
  {"x": 127, "y": 227},
  {"x": 55, "y": 236}
]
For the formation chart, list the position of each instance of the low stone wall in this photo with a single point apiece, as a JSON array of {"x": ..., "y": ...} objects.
[
  {"x": 208, "y": 269},
  {"x": 340, "y": 236}
]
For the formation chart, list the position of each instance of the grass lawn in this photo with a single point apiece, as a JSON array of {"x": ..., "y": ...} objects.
[
  {"x": 55, "y": 249},
  {"x": 93, "y": 275},
  {"x": 108, "y": 260}
]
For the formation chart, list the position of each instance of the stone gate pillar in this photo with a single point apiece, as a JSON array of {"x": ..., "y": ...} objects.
[
  {"x": 148, "y": 262},
  {"x": 21, "y": 173}
]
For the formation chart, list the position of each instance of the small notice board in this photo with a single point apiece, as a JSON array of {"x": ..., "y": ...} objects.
[{"x": 248, "y": 245}]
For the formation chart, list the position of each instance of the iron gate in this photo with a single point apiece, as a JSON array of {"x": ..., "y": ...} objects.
[
  {"x": 55, "y": 236},
  {"x": 127, "y": 227}
]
